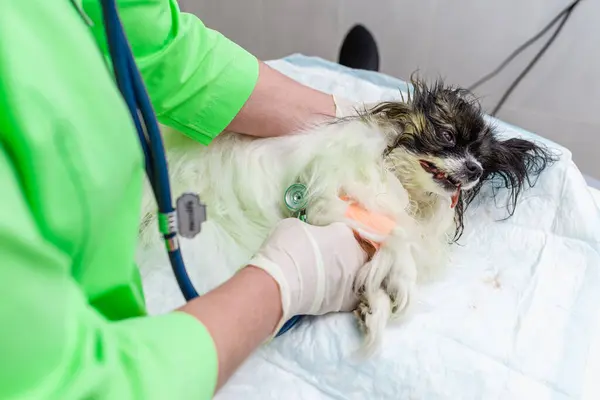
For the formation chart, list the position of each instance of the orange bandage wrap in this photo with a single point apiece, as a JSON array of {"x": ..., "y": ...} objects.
[{"x": 374, "y": 228}]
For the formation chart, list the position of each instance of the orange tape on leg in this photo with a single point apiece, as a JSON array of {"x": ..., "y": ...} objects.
[{"x": 377, "y": 224}]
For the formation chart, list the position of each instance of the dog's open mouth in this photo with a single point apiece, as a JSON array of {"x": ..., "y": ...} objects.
[
  {"x": 444, "y": 178},
  {"x": 438, "y": 174}
]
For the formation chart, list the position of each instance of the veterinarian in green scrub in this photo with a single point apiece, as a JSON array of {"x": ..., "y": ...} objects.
[{"x": 72, "y": 315}]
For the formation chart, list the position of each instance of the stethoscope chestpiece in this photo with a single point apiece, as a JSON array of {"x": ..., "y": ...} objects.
[{"x": 295, "y": 199}]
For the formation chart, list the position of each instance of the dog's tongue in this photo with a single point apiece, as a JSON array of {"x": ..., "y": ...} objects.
[{"x": 454, "y": 197}]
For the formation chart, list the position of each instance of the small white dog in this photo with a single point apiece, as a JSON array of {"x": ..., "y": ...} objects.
[{"x": 419, "y": 162}]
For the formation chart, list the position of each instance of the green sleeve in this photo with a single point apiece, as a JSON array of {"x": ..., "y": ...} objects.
[
  {"x": 198, "y": 80},
  {"x": 53, "y": 345}
]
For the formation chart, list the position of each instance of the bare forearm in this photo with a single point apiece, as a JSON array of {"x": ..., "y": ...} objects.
[
  {"x": 279, "y": 105},
  {"x": 240, "y": 315}
]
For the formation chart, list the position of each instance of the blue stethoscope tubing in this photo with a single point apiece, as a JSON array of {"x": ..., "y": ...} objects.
[{"x": 134, "y": 93}]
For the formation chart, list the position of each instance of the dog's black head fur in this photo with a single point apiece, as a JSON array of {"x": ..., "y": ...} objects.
[{"x": 443, "y": 131}]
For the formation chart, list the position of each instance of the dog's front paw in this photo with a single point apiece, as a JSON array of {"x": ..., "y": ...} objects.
[
  {"x": 361, "y": 313},
  {"x": 373, "y": 313},
  {"x": 400, "y": 290}
]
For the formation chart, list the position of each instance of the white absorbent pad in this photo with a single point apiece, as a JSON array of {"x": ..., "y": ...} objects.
[{"x": 513, "y": 317}]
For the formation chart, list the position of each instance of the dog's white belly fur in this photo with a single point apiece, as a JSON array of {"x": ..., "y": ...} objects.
[{"x": 243, "y": 180}]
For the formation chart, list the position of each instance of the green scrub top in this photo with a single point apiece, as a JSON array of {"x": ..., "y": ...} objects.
[{"x": 73, "y": 323}]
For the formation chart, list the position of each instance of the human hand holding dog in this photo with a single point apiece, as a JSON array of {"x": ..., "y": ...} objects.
[
  {"x": 347, "y": 108},
  {"x": 300, "y": 269},
  {"x": 313, "y": 266}
]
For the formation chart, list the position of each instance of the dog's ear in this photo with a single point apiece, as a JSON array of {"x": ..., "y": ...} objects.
[
  {"x": 509, "y": 164},
  {"x": 515, "y": 163}
]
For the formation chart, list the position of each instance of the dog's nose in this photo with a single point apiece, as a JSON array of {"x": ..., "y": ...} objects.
[{"x": 474, "y": 170}]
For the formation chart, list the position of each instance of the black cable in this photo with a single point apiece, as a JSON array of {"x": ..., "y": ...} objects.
[
  {"x": 535, "y": 59},
  {"x": 524, "y": 46}
]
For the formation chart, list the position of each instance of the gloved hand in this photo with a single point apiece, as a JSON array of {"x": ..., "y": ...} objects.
[
  {"x": 314, "y": 267},
  {"x": 346, "y": 108}
]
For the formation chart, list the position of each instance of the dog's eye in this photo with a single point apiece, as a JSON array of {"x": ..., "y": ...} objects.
[{"x": 448, "y": 138}]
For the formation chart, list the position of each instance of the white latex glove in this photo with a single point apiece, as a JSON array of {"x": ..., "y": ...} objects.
[
  {"x": 314, "y": 267},
  {"x": 346, "y": 108}
]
